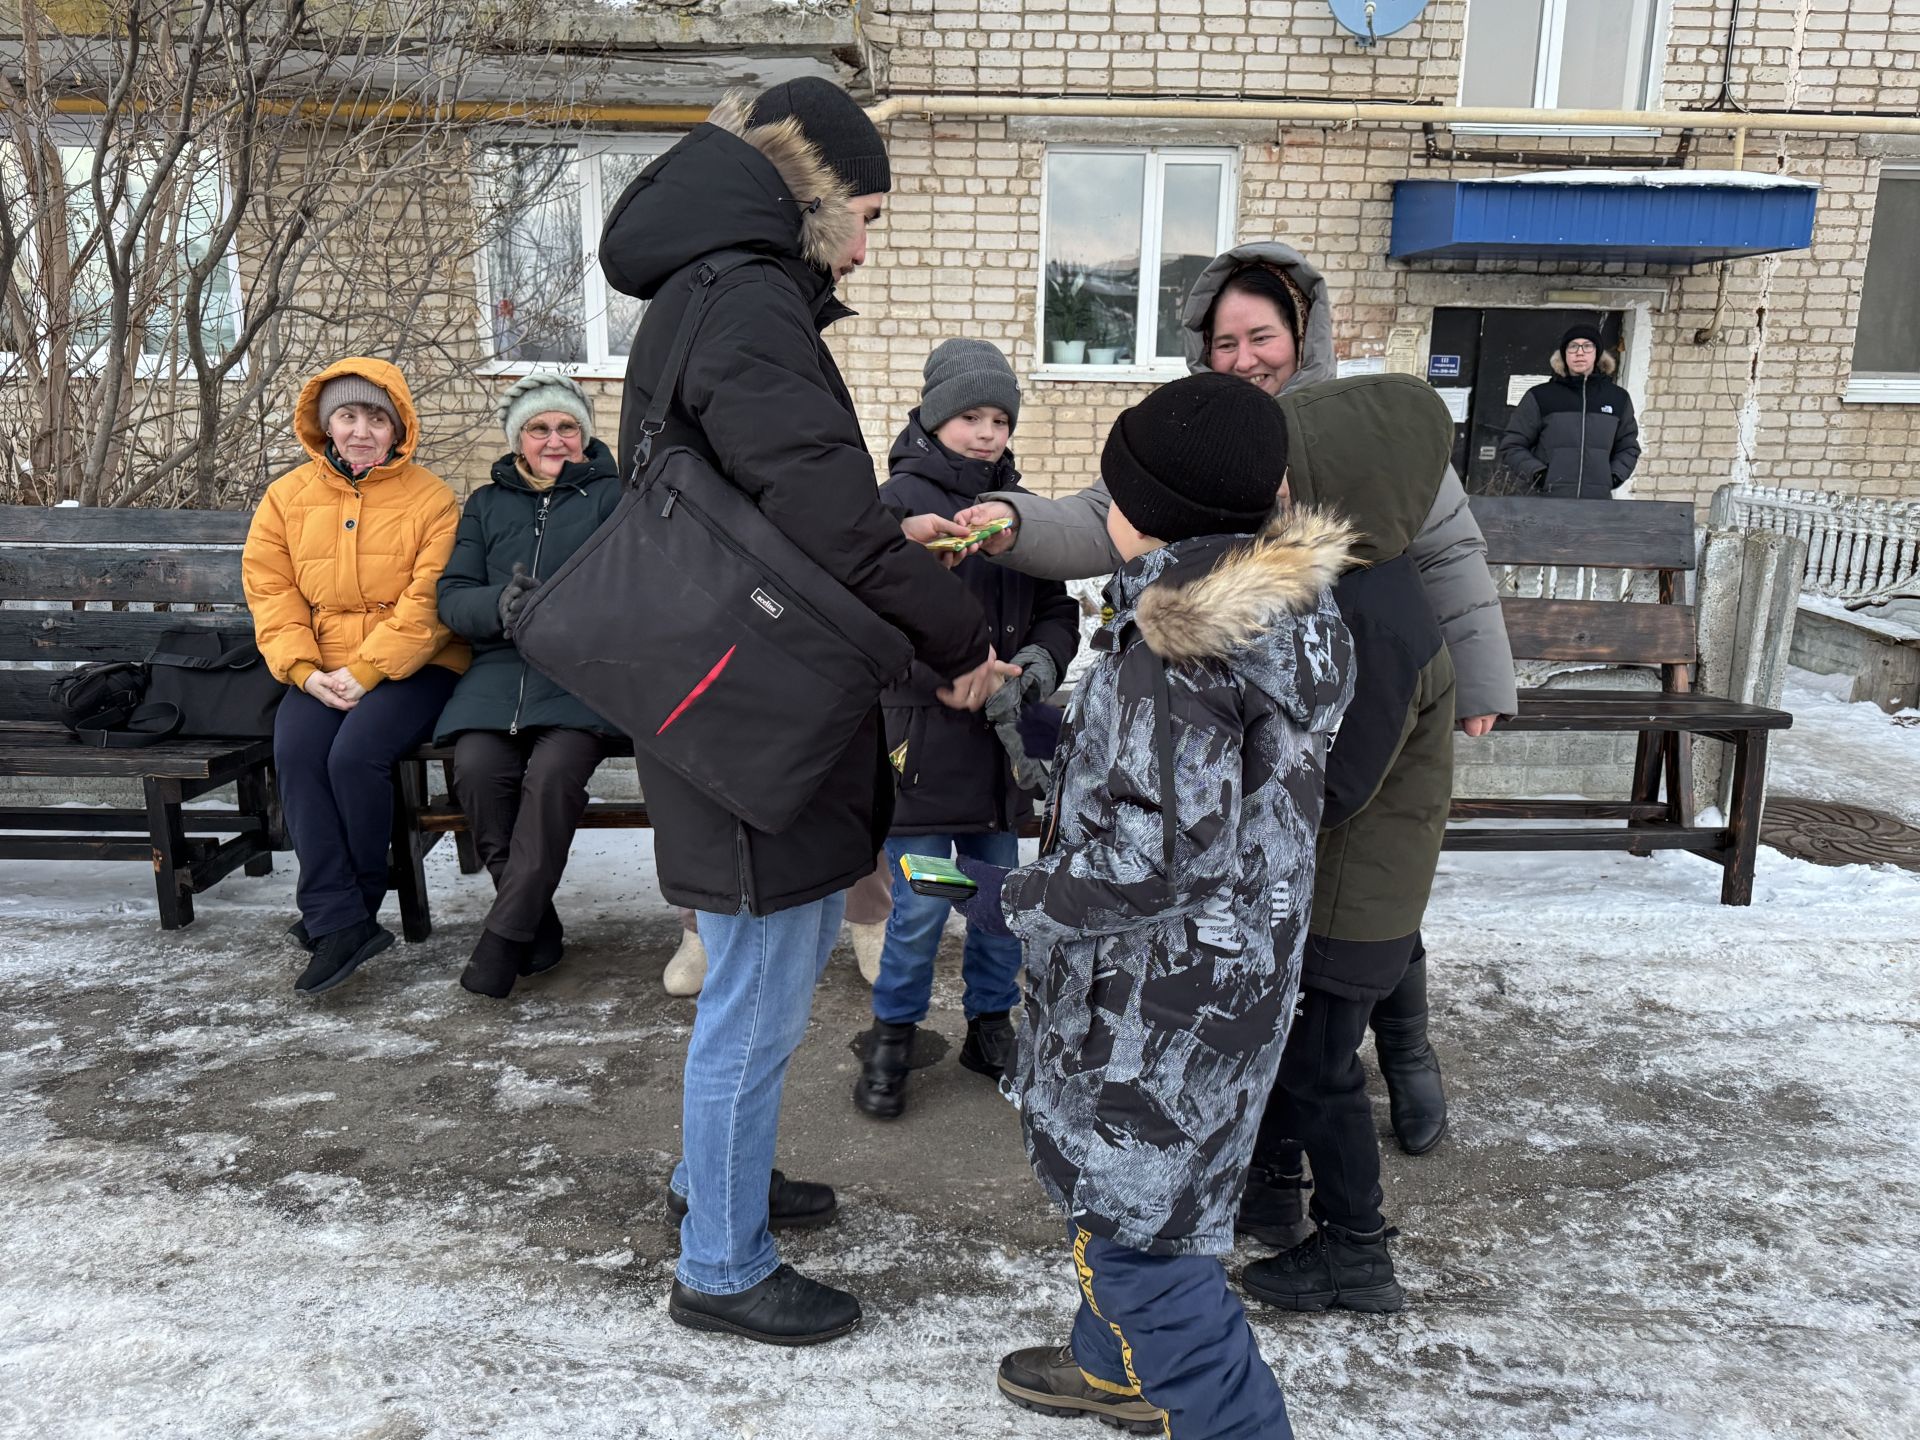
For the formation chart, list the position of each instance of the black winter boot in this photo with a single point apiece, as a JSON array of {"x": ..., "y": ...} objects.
[
  {"x": 297, "y": 933},
  {"x": 337, "y": 955},
  {"x": 1416, "y": 1098},
  {"x": 791, "y": 1204},
  {"x": 1333, "y": 1266},
  {"x": 786, "y": 1308},
  {"x": 881, "y": 1090},
  {"x": 1049, "y": 1381},
  {"x": 549, "y": 945},
  {"x": 1274, "y": 1205},
  {"x": 493, "y": 966},
  {"x": 990, "y": 1044}
]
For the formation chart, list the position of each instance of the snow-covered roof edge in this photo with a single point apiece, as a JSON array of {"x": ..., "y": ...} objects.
[{"x": 1743, "y": 179}]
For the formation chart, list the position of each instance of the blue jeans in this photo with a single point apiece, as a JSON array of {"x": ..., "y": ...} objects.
[
  {"x": 761, "y": 970},
  {"x": 1167, "y": 1328},
  {"x": 991, "y": 963}
]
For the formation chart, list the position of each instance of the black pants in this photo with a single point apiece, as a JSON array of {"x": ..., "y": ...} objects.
[
  {"x": 335, "y": 773},
  {"x": 1319, "y": 1101},
  {"x": 524, "y": 795}
]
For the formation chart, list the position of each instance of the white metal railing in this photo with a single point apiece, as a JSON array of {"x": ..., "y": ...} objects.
[{"x": 1860, "y": 551}]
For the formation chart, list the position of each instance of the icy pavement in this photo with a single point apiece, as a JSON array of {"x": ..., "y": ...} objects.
[{"x": 1678, "y": 1198}]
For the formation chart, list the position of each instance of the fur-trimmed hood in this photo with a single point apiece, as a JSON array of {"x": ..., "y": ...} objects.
[{"x": 728, "y": 185}]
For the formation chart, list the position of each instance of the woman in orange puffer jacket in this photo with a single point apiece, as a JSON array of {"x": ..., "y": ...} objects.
[{"x": 340, "y": 569}]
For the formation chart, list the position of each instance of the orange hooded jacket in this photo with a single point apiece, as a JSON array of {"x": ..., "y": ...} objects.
[{"x": 340, "y": 572}]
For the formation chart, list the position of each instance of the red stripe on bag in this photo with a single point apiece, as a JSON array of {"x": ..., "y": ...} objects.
[{"x": 697, "y": 691}]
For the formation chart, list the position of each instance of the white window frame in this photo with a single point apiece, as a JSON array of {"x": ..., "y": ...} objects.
[
  {"x": 1146, "y": 317},
  {"x": 75, "y": 135},
  {"x": 1546, "y": 79},
  {"x": 1881, "y": 387},
  {"x": 599, "y": 364}
]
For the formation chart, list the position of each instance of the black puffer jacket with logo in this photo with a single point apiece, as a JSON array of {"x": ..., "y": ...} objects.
[{"x": 1573, "y": 436}]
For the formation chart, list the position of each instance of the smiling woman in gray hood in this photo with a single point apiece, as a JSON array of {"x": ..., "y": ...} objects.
[{"x": 1066, "y": 539}]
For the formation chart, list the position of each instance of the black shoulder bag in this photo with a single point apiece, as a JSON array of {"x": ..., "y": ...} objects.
[
  {"x": 101, "y": 705},
  {"x": 219, "y": 684},
  {"x": 694, "y": 624}
]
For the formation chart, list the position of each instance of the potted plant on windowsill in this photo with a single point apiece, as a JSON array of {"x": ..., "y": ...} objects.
[
  {"x": 1106, "y": 345},
  {"x": 1069, "y": 317}
]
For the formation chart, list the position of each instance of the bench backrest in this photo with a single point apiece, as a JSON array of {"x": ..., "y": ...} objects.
[
  {"x": 1633, "y": 535},
  {"x": 106, "y": 584}
]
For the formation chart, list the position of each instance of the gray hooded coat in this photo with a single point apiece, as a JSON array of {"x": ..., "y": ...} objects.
[
  {"x": 1066, "y": 539},
  {"x": 1164, "y": 923}
]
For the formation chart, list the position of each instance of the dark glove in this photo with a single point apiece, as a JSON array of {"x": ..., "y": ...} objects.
[
  {"x": 982, "y": 912},
  {"x": 1039, "y": 677},
  {"x": 513, "y": 595},
  {"x": 1040, "y": 727}
]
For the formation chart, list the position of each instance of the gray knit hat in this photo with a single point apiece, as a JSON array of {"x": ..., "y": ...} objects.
[
  {"x": 964, "y": 374},
  {"x": 354, "y": 390},
  {"x": 539, "y": 392}
]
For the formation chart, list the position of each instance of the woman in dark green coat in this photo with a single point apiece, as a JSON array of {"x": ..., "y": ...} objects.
[{"x": 523, "y": 747}]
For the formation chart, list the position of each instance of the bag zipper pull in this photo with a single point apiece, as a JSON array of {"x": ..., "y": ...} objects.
[{"x": 666, "y": 511}]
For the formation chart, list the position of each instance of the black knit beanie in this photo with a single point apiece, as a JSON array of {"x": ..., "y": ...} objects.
[
  {"x": 838, "y": 128},
  {"x": 1199, "y": 456},
  {"x": 1580, "y": 332}
]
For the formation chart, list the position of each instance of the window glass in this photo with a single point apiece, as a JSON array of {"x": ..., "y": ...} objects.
[
  {"x": 1888, "y": 339},
  {"x": 1094, "y": 207},
  {"x": 1189, "y": 239},
  {"x": 534, "y": 260}
]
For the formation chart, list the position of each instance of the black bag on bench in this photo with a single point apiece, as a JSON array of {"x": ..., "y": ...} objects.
[
  {"x": 101, "y": 706},
  {"x": 219, "y": 685}
]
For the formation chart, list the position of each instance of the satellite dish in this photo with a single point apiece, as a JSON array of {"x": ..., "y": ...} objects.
[{"x": 1370, "y": 20}]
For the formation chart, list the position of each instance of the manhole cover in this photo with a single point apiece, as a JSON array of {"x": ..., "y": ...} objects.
[{"x": 1831, "y": 834}]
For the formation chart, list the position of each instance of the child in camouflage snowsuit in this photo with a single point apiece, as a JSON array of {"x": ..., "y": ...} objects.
[{"x": 1164, "y": 921}]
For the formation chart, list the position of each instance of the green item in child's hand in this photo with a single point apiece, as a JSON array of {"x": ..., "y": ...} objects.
[
  {"x": 967, "y": 542},
  {"x": 942, "y": 879}
]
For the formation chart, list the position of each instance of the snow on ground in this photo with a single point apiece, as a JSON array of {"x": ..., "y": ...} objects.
[
  {"x": 1678, "y": 1198},
  {"x": 1853, "y": 754}
]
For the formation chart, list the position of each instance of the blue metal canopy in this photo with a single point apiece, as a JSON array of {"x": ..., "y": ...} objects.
[{"x": 1676, "y": 217}]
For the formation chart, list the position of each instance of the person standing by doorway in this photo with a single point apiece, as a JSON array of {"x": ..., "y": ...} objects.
[{"x": 1574, "y": 436}]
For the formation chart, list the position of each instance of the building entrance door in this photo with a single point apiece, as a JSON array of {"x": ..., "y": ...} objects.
[{"x": 1483, "y": 361}]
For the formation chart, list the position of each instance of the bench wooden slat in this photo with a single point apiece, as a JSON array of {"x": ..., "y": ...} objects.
[
  {"x": 90, "y": 635},
  {"x": 1608, "y": 534},
  {"x": 56, "y": 754},
  {"x": 1600, "y": 631},
  {"x": 96, "y": 573},
  {"x": 1540, "y": 838},
  {"x": 1692, "y": 713},
  {"x": 84, "y": 525}
]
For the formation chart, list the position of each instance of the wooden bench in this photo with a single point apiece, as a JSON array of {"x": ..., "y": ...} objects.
[
  {"x": 1633, "y": 535},
  {"x": 181, "y": 569}
]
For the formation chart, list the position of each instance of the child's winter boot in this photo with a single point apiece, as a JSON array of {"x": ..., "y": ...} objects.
[{"x": 1333, "y": 1266}]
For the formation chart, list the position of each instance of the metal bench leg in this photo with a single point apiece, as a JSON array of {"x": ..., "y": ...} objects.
[
  {"x": 409, "y": 855},
  {"x": 171, "y": 875},
  {"x": 255, "y": 797},
  {"x": 1743, "y": 820}
]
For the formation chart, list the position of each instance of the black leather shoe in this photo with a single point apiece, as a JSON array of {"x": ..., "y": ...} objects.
[
  {"x": 493, "y": 966},
  {"x": 990, "y": 1045},
  {"x": 881, "y": 1090},
  {"x": 791, "y": 1204},
  {"x": 549, "y": 945},
  {"x": 338, "y": 955},
  {"x": 786, "y": 1308}
]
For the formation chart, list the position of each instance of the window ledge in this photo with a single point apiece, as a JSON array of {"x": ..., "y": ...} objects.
[
  {"x": 1883, "y": 390},
  {"x": 1106, "y": 374},
  {"x": 1546, "y": 128},
  {"x": 585, "y": 370}
]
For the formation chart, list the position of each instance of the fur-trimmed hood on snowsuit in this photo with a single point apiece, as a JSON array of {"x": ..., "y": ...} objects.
[
  {"x": 341, "y": 571},
  {"x": 755, "y": 211},
  {"x": 1160, "y": 985}
]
